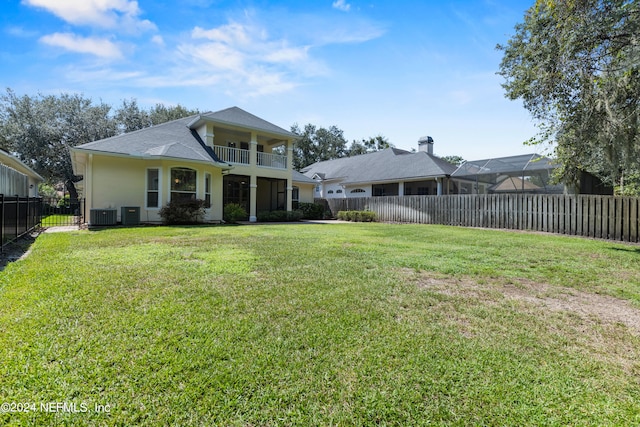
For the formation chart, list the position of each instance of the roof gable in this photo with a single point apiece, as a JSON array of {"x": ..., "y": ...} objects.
[{"x": 235, "y": 116}]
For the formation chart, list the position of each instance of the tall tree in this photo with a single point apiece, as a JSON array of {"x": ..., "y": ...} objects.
[
  {"x": 576, "y": 66},
  {"x": 41, "y": 129},
  {"x": 317, "y": 144},
  {"x": 161, "y": 113},
  {"x": 374, "y": 143},
  {"x": 131, "y": 117}
]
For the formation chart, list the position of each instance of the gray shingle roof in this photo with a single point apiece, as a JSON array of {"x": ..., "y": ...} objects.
[
  {"x": 386, "y": 165},
  {"x": 238, "y": 117},
  {"x": 298, "y": 177},
  {"x": 172, "y": 139}
]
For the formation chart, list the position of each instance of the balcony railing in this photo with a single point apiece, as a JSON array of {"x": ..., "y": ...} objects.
[
  {"x": 272, "y": 160},
  {"x": 232, "y": 155},
  {"x": 240, "y": 156}
]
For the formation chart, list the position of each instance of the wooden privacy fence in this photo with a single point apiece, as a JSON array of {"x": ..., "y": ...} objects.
[{"x": 605, "y": 217}]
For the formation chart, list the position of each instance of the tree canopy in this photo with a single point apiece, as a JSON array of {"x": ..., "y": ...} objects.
[
  {"x": 318, "y": 144},
  {"x": 576, "y": 67},
  {"x": 41, "y": 129}
]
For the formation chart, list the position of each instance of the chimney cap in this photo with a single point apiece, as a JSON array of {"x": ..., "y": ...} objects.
[{"x": 425, "y": 140}]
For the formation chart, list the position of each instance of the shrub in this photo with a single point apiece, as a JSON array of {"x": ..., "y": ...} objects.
[
  {"x": 311, "y": 210},
  {"x": 357, "y": 216},
  {"x": 234, "y": 212},
  {"x": 183, "y": 212},
  {"x": 279, "y": 216}
]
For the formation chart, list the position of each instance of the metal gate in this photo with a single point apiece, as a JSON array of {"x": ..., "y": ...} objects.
[{"x": 58, "y": 211}]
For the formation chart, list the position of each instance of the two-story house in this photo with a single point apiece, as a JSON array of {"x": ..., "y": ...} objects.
[{"x": 228, "y": 156}]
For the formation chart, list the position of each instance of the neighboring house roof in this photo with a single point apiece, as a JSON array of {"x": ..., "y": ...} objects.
[
  {"x": 381, "y": 166},
  {"x": 172, "y": 139},
  {"x": 303, "y": 179},
  {"x": 16, "y": 164},
  {"x": 238, "y": 117}
]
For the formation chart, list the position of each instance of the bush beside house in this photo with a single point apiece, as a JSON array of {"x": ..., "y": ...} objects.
[{"x": 357, "y": 216}]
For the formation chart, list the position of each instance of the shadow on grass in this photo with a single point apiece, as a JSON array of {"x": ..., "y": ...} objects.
[
  {"x": 630, "y": 249},
  {"x": 17, "y": 250}
]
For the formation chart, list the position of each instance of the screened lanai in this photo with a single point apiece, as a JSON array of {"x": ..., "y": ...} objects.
[{"x": 527, "y": 173}]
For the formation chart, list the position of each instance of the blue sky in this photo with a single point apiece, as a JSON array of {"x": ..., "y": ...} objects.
[{"x": 402, "y": 69}]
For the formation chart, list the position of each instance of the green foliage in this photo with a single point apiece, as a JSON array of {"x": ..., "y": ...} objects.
[
  {"x": 454, "y": 160},
  {"x": 317, "y": 144},
  {"x": 279, "y": 216},
  {"x": 47, "y": 190},
  {"x": 311, "y": 210},
  {"x": 370, "y": 145},
  {"x": 42, "y": 128},
  {"x": 234, "y": 212},
  {"x": 576, "y": 66},
  {"x": 357, "y": 216},
  {"x": 183, "y": 212}
]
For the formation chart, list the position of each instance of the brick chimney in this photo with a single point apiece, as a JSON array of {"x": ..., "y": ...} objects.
[{"x": 426, "y": 144}]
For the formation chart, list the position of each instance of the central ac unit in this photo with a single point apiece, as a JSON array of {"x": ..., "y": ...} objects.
[{"x": 103, "y": 217}]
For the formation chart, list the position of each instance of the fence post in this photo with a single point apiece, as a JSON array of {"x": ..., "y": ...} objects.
[
  {"x": 17, "y": 214},
  {"x": 2, "y": 222}
]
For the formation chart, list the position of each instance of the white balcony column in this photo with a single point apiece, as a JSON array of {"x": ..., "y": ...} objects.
[
  {"x": 289, "y": 194},
  {"x": 253, "y": 149},
  {"x": 439, "y": 183},
  {"x": 209, "y": 136},
  {"x": 253, "y": 196},
  {"x": 401, "y": 188},
  {"x": 290, "y": 155}
]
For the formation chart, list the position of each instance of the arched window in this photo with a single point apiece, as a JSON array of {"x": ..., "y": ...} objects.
[
  {"x": 339, "y": 191},
  {"x": 183, "y": 184},
  {"x": 330, "y": 192},
  {"x": 357, "y": 190}
]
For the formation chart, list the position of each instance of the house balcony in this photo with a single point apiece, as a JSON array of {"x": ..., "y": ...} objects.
[
  {"x": 272, "y": 160},
  {"x": 239, "y": 156},
  {"x": 232, "y": 155}
]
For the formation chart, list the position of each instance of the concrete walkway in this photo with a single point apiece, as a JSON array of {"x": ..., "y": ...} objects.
[{"x": 61, "y": 229}]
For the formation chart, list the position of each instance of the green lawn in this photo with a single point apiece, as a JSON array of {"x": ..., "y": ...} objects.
[
  {"x": 340, "y": 324},
  {"x": 57, "y": 219}
]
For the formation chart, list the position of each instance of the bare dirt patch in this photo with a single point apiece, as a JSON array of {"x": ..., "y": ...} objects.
[{"x": 588, "y": 306}]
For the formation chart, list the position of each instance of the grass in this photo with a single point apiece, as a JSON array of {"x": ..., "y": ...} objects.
[
  {"x": 57, "y": 219},
  {"x": 341, "y": 324}
]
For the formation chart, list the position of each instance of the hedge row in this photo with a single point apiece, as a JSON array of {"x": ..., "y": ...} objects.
[{"x": 357, "y": 216}]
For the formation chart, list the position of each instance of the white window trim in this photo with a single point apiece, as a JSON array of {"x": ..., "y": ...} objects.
[{"x": 146, "y": 188}]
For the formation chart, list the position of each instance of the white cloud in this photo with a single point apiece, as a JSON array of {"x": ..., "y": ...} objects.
[
  {"x": 157, "y": 39},
  {"x": 100, "y": 13},
  {"x": 94, "y": 46},
  {"x": 341, "y": 5}
]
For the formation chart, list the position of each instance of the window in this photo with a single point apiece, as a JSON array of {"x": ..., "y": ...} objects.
[
  {"x": 153, "y": 188},
  {"x": 385, "y": 190},
  {"x": 207, "y": 190},
  {"x": 183, "y": 184},
  {"x": 357, "y": 190},
  {"x": 330, "y": 192},
  {"x": 339, "y": 191},
  {"x": 295, "y": 194}
]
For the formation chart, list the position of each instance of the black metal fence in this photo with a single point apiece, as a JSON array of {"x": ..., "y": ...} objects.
[
  {"x": 21, "y": 215},
  {"x": 18, "y": 216}
]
